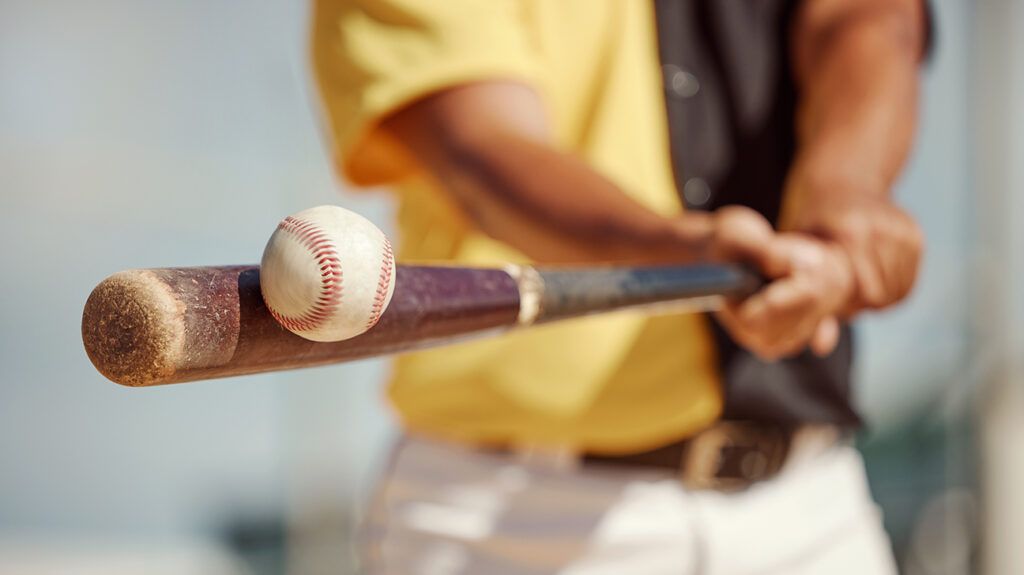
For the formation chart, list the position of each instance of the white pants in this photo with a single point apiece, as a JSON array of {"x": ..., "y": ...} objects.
[{"x": 443, "y": 509}]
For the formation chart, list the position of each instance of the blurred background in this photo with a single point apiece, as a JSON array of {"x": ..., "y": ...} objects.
[{"x": 148, "y": 133}]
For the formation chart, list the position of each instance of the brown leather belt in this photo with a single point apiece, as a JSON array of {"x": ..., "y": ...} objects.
[{"x": 728, "y": 456}]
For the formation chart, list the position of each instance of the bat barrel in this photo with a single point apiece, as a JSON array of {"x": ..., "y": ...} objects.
[{"x": 159, "y": 326}]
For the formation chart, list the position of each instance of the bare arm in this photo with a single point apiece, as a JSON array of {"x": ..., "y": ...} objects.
[
  {"x": 489, "y": 145},
  {"x": 856, "y": 66},
  {"x": 856, "y": 62}
]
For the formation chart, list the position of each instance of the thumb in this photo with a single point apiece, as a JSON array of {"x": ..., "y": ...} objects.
[{"x": 744, "y": 236}]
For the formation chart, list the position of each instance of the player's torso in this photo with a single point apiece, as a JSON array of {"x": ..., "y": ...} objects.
[{"x": 587, "y": 382}]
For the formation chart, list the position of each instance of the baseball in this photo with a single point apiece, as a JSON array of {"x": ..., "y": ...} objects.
[{"x": 327, "y": 274}]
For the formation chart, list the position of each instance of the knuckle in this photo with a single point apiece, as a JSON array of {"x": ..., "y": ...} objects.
[
  {"x": 873, "y": 298},
  {"x": 809, "y": 291},
  {"x": 803, "y": 295},
  {"x": 852, "y": 226},
  {"x": 741, "y": 217},
  {"x": 907, "y": 231},
  {"x": 871, "y": 289}
]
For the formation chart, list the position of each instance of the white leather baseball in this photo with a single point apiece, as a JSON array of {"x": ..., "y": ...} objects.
[{"x": 327, "y": 274}]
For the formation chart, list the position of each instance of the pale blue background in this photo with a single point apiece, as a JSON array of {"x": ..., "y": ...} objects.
[{"x": 154, "y": 133}]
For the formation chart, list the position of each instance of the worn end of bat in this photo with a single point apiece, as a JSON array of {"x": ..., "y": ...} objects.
[{"x": 133, "y": 328}]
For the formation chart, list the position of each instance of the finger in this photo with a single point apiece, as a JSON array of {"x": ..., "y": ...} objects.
[
  {"x": 696, "y": 228},
  {"x": 781, "y": 319},
  {"x": 826, "y": 337},
  {"x": 750, "y": 339},
  {"x": 780, "y": 305},
  {"x": 726, "y": 316},
  {"x": 886, "y": 255},
  {"x": 902, "y": 254},
  {"x": 804, "y": 254},
  {"x": 744, "y": 235},
  {"x": 868, "y": 279},
  {"x": 765, "y": 345},
  {"x": 894, "y": 268},
  {"x": 795, "y": 340},
  {"x": 911, "y": 256}
]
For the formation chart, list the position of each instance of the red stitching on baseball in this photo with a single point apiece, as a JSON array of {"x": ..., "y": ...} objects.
[
  {"x": 383, "y": 283},
  {"x": 319, "y": 244}
]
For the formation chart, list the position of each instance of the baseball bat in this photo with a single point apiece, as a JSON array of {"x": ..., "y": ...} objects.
[{"x": 171, "y": 325}]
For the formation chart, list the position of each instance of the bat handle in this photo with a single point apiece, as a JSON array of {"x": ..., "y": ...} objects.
[
  {"x": 569, "y": 293},
  {"x": 748, "y": 281}
]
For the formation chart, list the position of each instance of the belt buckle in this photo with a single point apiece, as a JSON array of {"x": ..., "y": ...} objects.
[{"x": 732, "y": 456}]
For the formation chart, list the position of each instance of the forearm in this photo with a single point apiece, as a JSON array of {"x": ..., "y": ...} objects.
[
  {"x": 858, "y": 81},
  {"x": 553, "y": 206},
  {"x": 488, "y": 147},
  {"x": 856, "y": 64}
]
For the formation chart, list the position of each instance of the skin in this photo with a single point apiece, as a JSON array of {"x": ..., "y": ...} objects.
[
  {"x": 843, "y": 246},
  {"x": 856, "y": 65}
]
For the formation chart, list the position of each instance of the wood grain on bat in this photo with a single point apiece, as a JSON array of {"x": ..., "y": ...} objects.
[{"x": 150, "y": 327}]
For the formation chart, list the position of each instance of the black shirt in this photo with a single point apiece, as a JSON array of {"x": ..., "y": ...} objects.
[{"x": 731, "y": 104}]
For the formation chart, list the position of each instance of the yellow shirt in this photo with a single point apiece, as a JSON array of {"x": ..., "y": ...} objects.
[{"x": 610, "y": 383}]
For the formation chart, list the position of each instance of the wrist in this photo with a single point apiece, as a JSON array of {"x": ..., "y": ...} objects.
[
  {"x": 822, "y": 182},
  {"x": 660, "y": 240},
  {"x": 835, "y": 166},
  {"x": 684, "y": 238}
]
